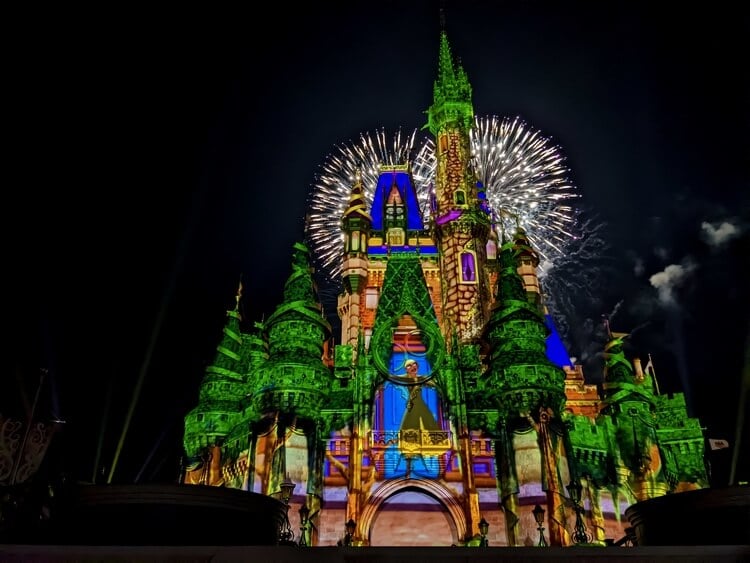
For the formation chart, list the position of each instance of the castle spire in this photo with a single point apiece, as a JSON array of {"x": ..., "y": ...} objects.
[
  {"x": 451, "y": 104},
  {"x": 461, "y": 223},
  {"x": 221, "y": 390}
]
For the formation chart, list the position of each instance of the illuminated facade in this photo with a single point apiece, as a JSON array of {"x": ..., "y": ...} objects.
[{"x": 449, "y": 398}]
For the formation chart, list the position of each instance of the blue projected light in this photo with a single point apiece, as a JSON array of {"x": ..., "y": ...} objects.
[
  {"x": 556, "y": 352},
  {"x": 408, "y": 195}
]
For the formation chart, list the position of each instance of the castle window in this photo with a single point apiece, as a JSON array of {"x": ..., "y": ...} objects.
[
  {"x": 459, "y": 197},
  {"x": 368, "y": 336},
  {"x": 468, "y": 267},
  {"x": 199, "y": 418},
  {"x": 491, "y": 250},
  {"x": 355, "y": 241},
  {"x": 371, "y": 298},
  {"x": 396, "y": 237},
  {"x": 443, "y": 143}
]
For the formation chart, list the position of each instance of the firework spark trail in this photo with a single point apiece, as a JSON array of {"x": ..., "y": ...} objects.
[{"x": 523, "y": 175}]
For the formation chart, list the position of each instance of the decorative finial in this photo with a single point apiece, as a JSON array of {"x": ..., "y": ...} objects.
[{"x": 442, "y": 19}]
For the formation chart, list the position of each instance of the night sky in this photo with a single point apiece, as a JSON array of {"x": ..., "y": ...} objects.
[{"x": 164, "y": 154}]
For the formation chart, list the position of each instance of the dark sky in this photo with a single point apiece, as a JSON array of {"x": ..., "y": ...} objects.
[{"x": 161, "y": 154}]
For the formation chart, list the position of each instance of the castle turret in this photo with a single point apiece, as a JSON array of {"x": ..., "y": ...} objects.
[
  {"x": 630, "y": 402},
  {"x": 357, "y": 224},
  {"x": 528, "y": 261},
  {"x": 529, "y": 392},
  {"x": 461, "y": 220},
  {"x": 222, "y": 389},
  {"x": 295, "y": 378}
]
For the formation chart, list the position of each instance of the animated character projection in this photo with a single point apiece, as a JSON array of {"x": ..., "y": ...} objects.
[{"x": 408, "y": 421}]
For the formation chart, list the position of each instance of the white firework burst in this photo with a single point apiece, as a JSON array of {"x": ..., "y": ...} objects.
[
  {"x": 526, "y": 184},
  {"x": 523, "y": 175},
  {"x": 332, "y": 187}
]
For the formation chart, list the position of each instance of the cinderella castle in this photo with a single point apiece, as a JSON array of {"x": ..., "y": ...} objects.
[{"x": 446, "y": 411}]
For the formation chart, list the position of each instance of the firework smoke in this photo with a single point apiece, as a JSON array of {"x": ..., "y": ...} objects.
[
  {"x": 669, "y": 279},
  {"x": 717, "y": 236}
]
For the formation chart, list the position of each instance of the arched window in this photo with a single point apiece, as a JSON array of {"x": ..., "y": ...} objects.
[
  {"x": 468, "y": 267},
  {"x": 459, "y": 197}
]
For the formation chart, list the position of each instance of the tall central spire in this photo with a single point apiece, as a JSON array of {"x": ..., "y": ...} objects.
[{"x": 451, "y": 105}]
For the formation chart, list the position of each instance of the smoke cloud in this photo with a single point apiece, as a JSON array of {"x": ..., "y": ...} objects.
[
  {"x": 668, "y": 280},
  {"x": 716, "y": 236}
]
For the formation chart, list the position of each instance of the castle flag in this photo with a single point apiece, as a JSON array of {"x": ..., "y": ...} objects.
[{"x": 716, "y": 444}]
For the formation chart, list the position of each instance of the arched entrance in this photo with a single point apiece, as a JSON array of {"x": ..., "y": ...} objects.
[{"x": 410, "y": 512}]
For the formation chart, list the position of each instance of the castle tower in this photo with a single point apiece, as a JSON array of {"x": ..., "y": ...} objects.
[
  {"x": 211, "y": 421},
  {"x": 528, "y": 261},
  {"x": 629, "y": 402},
  {"x": 529, "y": 394},
  {"x": 357, "y": 223},
  {"x": 293, "y": 387},
  {"x": 461, "y": 220}
]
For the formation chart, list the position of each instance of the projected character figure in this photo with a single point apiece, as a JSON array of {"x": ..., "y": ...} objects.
[
  {"x": 420, "y": 438},
  {"x": 417, "y": 415}
]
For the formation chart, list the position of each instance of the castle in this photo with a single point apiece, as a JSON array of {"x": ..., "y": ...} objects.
[{"x": 448, "y": 412}]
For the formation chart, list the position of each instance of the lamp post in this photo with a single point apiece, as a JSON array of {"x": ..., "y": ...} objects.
[
  {"x": 351, "y": 527},
  {"x": 286, "y": 535},
  {"x": 579, "y": 531},
  {"x": 484, "y": 527},
  {"x": 304, "y": 514},
  {"x": 539, "y": 517}
]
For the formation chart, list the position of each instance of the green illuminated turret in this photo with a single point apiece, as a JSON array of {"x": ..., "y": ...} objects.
[
  {"x": 522, "y": 378},
  {"x": 620, "y": 384},
  {"x": 630, "y": 405},
  {"x": 221, "y": 391},
  {"x": 451, "y": 106},
  {"x": 295, "y": 379}
]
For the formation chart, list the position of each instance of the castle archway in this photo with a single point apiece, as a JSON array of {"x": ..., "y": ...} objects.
[{"x": 413, "y": 512}]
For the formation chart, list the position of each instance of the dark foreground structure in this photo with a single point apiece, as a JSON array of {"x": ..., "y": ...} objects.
[
  {"x": 194, "y": 523},
  {"x": 685, "y": 554}
]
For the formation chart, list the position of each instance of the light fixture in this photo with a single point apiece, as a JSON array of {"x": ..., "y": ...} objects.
[
  {"x": 580, "y": 535},
  {"x": 286, "y": 535},
  {"x": 484, "y": 527},
  {"x": 351, "y": 527},
  {"x": 304, "y": 515},
  {"x": 287, "y": 488},
  {"x": 539, "y": 517},
  {"x": 574, "y": 490}
]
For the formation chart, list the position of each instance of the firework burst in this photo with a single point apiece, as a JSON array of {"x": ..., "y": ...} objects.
[
  {"x": 333, "y": 184},
  {"x": 523, "y": 174}
]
